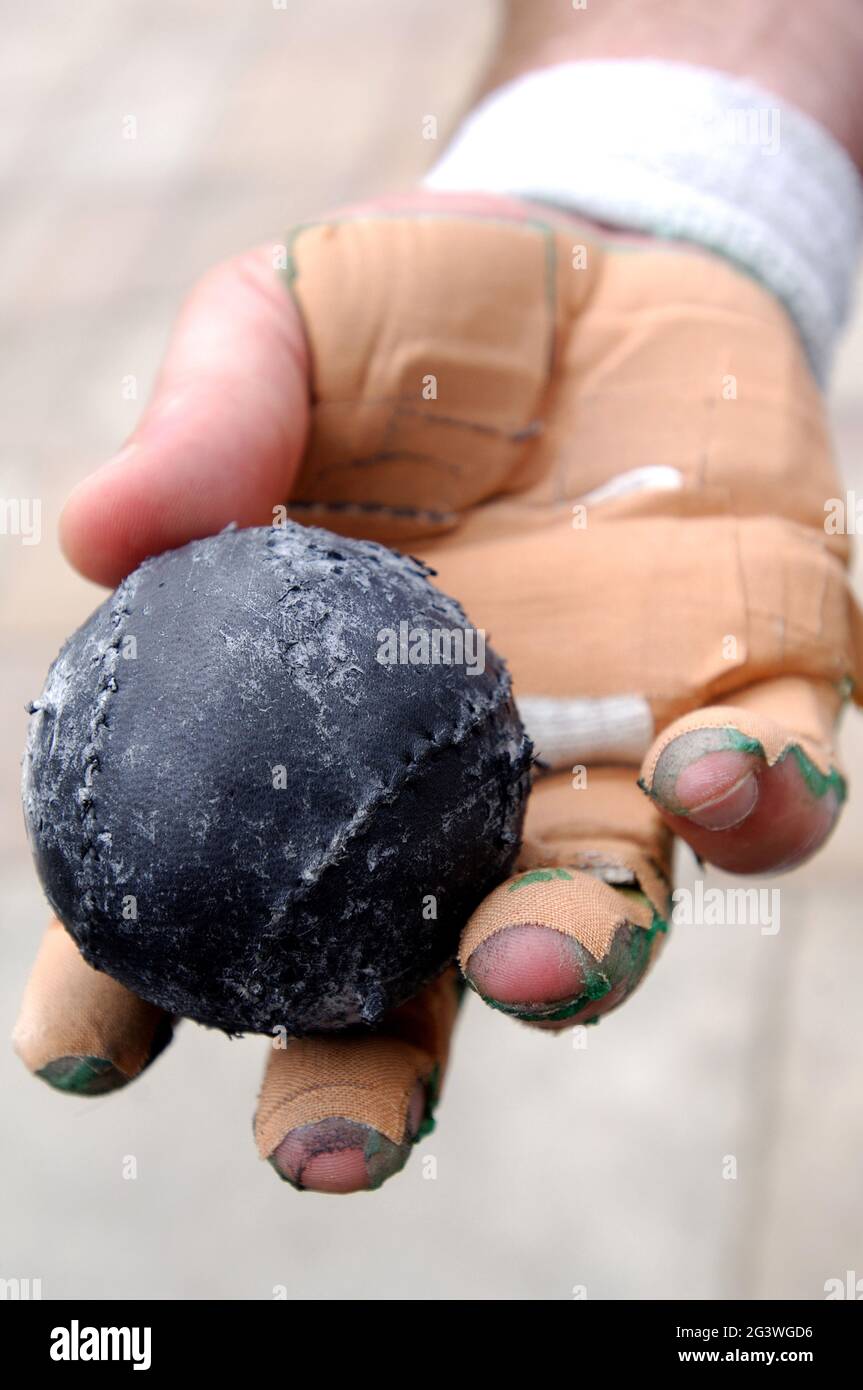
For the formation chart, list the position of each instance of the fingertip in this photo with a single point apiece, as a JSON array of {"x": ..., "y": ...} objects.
[
  {"x": 527, "y": 964},
  {"x": 336, "y": 1172},
  {"x": 92, "y": 530},
  {"x": 82, "y": 1076},
  {"x": 746, "y": 816},
  {"x": 339, "y": 1156},
  {"x": 80, "y": 1031}
]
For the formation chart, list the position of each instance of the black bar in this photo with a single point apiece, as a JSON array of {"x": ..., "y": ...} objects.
[{"x": 60, "y": 1337}]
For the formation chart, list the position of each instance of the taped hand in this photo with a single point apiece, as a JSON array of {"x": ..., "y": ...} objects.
[{"x": 614, "y": 455}]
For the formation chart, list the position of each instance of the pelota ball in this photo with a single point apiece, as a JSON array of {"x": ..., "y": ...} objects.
[{"x": 271, "y": 776}]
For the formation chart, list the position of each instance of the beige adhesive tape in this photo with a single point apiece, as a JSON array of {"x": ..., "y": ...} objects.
[
  {"x": 560, "y": 366},
  {"x": 599, "y": 821},
  {"x": 71, "y": 1010},
  {"x": 617, "y": 862},
  {"x": 431, "y": 345},
  {"x": 579, "y": 906},
  {"x": 602, "y": 834},
  {"x": 691, "y": 611},
  {"x": 597, "y": 802},
  {"x": 601, "y": 362},
  {"x": 369, "y": 1078}
]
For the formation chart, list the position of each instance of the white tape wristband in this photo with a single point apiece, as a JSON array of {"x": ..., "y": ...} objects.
[{"x": 686, "y": 153}]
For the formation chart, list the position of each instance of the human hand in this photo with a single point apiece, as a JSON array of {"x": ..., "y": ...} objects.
[{"x": 604, "y": 511}]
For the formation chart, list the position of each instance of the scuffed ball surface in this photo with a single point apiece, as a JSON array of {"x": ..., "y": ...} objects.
[{"x": 245, "y": 816}]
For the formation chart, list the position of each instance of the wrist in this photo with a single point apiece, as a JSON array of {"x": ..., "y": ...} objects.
[
  {"x": 808, "y": 55},
  {"x": 680, "y": 153}
]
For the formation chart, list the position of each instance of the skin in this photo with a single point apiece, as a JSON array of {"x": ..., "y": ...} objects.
[
  {"x": 811, "y": 55},
  {"x": 223, "y": 437}
]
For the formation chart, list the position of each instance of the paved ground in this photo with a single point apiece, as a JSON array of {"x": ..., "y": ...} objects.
[{"x": 556, "y": 1167}]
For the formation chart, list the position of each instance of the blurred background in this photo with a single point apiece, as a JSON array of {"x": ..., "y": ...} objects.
[{"x": 557, "y": 1168}]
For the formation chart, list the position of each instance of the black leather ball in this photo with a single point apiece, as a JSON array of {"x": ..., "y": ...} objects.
[{"x": 270, "y": 778}]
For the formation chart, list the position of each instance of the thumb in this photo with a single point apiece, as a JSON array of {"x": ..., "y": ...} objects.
[{"x": 222, "y": 437}]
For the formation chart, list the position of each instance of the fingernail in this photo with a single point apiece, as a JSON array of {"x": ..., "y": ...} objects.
[
  {"x": 339, "y": 1156},
  {"x": 82, "y": 1076},
  {"x": 728, "y": 809}
]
